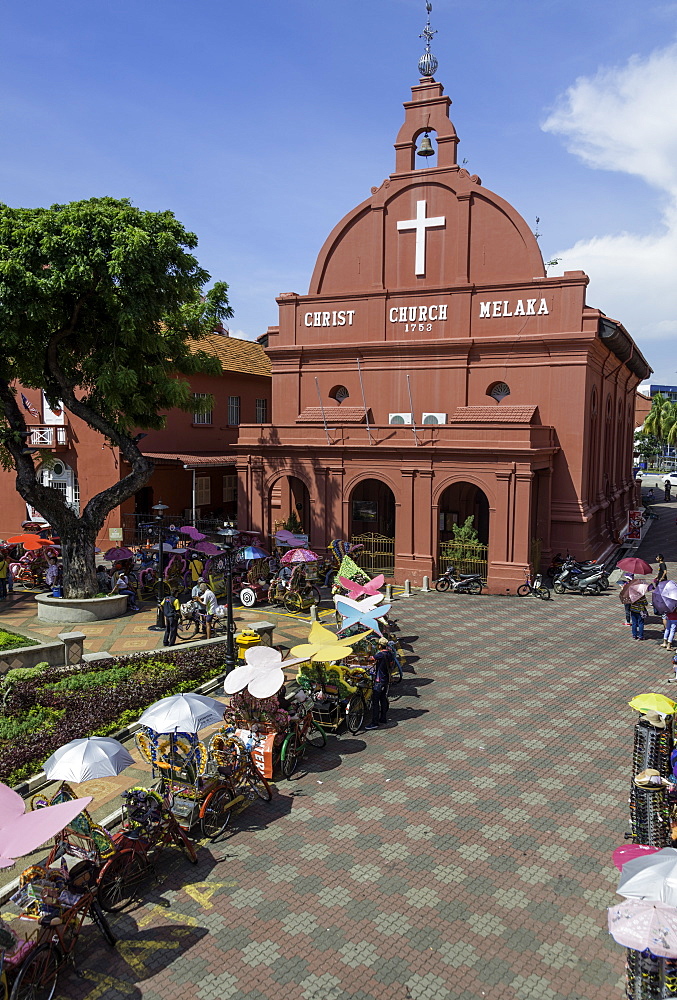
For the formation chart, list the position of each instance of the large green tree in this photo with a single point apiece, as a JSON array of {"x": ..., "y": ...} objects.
[{"x": 100, "y": 306}]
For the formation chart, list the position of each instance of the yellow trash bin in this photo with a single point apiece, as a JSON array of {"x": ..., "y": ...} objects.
[{"x": 245, "y": 640}]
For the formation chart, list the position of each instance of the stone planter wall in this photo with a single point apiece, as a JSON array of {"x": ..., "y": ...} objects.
[
  {"x": 62, "y": 652},
  {"x": 62, "y": 610}
]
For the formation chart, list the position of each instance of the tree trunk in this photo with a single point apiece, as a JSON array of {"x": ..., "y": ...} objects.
[{"x": 79, "y": 564}]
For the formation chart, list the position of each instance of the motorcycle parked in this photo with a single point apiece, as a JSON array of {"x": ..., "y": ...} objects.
[
  {"x": 574, "y": 580},
  {"x": 459, "y": 583}
]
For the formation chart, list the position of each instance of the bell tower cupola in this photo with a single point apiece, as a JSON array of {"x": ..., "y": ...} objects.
[{"x": 427, "y": 112}]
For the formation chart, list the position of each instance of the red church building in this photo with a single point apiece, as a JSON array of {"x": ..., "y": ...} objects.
[{"x": 433, "y": 372}]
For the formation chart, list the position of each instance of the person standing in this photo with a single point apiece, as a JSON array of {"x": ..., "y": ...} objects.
[
  {"x": 670, "y": 629},
  {"x": 668, "y": 489},
  {"x": 4, "y": 572},
  {"x": 638, "y": 612},
  {"x": 171, "y": 610},
  {"x": 196, "y": 567},
  {"x": 662, "y": 571},
  {"x": 208, "y": 599},
  {"x": 379, "y": 697}
]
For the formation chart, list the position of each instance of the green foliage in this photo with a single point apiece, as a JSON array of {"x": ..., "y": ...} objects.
[
  {"x": 37, "y": 718},
  {"x": 466, "y": 532},
  {"x": 647, "y": 445},
  {"x": 95, "y": 679},
  {"x": 119, "y": 291},
  {"x": 9, "y": 640},
  {"x": 293, "y": 524}
]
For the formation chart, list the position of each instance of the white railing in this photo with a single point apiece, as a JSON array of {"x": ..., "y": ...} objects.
[{"x": 47, "y": 437}]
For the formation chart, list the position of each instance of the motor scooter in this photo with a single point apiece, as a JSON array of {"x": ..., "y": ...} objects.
[
  {"x": 575, "y": 581},
  {"x": 459, "y": 583}
]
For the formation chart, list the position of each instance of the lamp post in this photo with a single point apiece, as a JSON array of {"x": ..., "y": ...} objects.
[
  {"x": 159, "y": 625},
  {"x": 228, "y": 536}
]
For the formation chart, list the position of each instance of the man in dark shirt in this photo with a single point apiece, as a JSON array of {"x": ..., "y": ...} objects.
[
  {"x": 379, "y": 698},
  {"x": 662, "y": 569}
]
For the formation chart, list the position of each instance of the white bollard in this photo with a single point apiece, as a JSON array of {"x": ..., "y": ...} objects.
[
  {"x": 389, "y": 593},
  {"x": 313, "y": 612},
  {"x": 425, "y": 589},
  {"x": 407, "y": 588}
]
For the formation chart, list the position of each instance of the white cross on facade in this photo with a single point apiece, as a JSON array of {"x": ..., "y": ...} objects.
[{"x": 420, "y": 224}]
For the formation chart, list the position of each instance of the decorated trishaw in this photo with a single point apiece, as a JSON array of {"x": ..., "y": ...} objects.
[{"x": 53, "y": 898}]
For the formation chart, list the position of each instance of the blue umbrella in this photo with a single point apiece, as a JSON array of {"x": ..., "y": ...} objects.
[{"x": 252, "y": 552}]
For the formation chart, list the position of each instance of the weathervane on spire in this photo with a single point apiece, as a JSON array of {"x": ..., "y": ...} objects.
[{"x": 427, "y": 64}]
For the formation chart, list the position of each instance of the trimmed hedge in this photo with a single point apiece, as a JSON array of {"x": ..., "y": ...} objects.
[
  {"x": 46, "y": 707},
  {"x": 10, "y": 640}
]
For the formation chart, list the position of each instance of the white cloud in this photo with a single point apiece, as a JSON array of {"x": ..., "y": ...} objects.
[
  {"x": 241, "y": 335},
  {"x": 623, "y": 119}
]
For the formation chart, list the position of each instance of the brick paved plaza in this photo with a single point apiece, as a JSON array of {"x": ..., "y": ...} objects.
[{"x": 463, "y": 852}]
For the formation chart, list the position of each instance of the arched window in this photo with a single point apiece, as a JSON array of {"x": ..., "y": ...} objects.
[
  {"x": 61, "y": 477},
  {"x": 498, "y": 391},
  {"x": 339, "y": 393}
]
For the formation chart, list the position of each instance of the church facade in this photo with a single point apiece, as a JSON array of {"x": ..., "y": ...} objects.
[{"x": 435, "y": 373}]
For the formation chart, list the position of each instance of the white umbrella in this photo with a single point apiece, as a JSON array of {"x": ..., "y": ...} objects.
[
  {"x": 653, "y": 878},
  {"x": 182, "y": 713},
  {"x": 641, "y": 924},
  {"x": 92, "y": 757}
]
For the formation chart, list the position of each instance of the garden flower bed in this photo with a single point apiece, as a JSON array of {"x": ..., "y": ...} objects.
[
  {"x": 43, "y": 707},
  {"x": 10, "y": 640}
]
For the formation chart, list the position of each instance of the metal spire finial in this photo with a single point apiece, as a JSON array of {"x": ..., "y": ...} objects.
[{"x": 427, "y": 64}]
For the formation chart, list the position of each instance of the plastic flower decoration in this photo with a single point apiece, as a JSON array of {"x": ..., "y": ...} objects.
[
  {"x": 364, "y": 612},
  {"x": 356, "y": 590},
  {"x": 324, "y": 645},
  {"x": 262, "y": 675}
]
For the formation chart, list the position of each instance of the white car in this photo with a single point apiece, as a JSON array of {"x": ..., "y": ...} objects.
[{"x": 669, "y": 477}]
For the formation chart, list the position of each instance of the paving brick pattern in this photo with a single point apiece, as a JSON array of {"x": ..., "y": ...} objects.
[{"x": 465, "y": 851}]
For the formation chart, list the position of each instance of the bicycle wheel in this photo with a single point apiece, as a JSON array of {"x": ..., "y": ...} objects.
[
  {"x": 442, "y": 585},
  {"x": 292, "y": 602},
  {"x": 161, "y": 589},
  {"x": 187, "y": 628},
  {"x": 99, "y": 918},
  {"x": 216, "y": 813},
  {"x": 543, "y": 593},
  {"x": 289, "y": 757},
  {"x": 474, "y": 587},
  {"x": 316, "y": 594},
  {"x": 523, "y": 590},
  {"x": 559, "y": 588},
  {"x": 257, "y": 782},
  {"x": 36, "y": 979},
  {"x": 118, "y": 880},
  {"x": 316, "y": 736},
  {"x": 355, "y": 710}
]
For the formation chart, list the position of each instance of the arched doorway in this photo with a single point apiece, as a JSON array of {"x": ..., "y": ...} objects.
[
  {"x": 461, "y": 503},
  {"x": 289, "y": 496},
  {"x": 372, "y": 525}
]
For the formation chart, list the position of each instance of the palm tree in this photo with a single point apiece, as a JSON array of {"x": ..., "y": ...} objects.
[{"x": 661, "y": 420}]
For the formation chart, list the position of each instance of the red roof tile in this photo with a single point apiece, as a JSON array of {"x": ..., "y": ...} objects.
[
  {"x": 332, "y": 414},
  {"x": 493, "y": 414}
]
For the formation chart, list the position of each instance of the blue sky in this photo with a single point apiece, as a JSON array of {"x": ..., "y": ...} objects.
[{"x": 261, "y": 123}]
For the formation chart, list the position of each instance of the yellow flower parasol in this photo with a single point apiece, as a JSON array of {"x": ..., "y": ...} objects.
[
  {"x": 653, "y": 702},
  {"x": 324, "y": 646}
]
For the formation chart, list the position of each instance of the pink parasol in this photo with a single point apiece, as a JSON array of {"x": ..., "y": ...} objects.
[
  {"x": 208, "y": 548},
  {"x": 192, "y": 532},
  {"x": 627, "y": 852},
  {"x": 116, "y": 554},
  {"x": 22, "y": 832},
  {"x": 644, "y": 923},
  {"x": 632, "y": 564},
  {"x": 634, "y": 590},
  {"x": 298, "y": 556}
]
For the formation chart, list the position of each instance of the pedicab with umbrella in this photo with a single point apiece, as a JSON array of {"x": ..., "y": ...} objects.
[{"x": 53, "y": 901}]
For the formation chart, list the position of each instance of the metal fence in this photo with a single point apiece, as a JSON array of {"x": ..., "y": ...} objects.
[
  {"x": 378, "y": 554},
  {"x": 466, "y": 557}
]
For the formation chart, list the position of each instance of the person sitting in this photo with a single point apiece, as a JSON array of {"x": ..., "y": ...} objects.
[
  {"x": 103, "y": 580},
  {"x": 285, "y": 575},
  {"x": 121, "y": 587}
]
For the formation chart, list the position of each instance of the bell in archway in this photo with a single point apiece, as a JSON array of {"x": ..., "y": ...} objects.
[{"x": 426, "y": 147}]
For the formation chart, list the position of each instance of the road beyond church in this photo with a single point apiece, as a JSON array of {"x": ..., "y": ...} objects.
[{"x": 463, "y": 852}]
